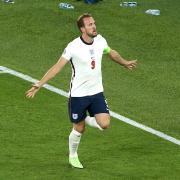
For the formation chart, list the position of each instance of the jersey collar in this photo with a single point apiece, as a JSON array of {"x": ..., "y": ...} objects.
[{"x": 85, "y": 41}]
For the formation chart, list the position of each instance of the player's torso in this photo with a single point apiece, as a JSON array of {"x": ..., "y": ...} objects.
[
  {"x": 86, "y": 66},
  {"x": 87, "y": 58}
]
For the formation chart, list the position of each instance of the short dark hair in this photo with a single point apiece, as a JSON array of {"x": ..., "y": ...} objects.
[{"x": 80, "y": 20}]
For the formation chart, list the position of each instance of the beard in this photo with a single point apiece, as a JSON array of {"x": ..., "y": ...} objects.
[{"x": 92, "y": 35}]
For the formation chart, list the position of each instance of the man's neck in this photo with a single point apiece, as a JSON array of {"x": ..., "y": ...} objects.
[{"x": 87, "y": 39}]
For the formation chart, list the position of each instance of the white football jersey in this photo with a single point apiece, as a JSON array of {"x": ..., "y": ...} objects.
[{"x": 85, "y": 60}]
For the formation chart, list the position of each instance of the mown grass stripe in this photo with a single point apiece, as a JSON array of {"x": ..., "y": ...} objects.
[{"x": 113, "y": 114}]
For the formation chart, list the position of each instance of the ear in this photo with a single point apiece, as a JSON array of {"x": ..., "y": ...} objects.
[{"x": 82, "y": 29}]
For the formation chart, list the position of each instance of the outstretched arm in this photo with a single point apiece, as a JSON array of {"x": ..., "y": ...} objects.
[
  {"x": 55, "y": 69},
  {"x": 115, "y": 56}
]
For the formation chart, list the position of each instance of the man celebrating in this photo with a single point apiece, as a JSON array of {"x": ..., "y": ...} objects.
[{"x": 86, "y": 90}]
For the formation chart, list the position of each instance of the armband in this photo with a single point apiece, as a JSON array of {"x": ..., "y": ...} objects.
[{"x": 106, "y": 50}]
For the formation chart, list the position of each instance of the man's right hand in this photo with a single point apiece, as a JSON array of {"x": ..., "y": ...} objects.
[{"x": 31, "y": 92}]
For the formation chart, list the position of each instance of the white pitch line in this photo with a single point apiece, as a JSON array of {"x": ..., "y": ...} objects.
[
  {"x": 113, "y": 114},
  {"x": 2, "y": 72}
]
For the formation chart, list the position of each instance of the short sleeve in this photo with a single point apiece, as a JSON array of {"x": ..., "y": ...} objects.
[
  {"x": 67, "y": 54},
  {"x": 106, "y": 48}
]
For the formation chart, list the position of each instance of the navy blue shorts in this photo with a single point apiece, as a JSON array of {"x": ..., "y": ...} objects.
[{"x": 79, "y": 106}]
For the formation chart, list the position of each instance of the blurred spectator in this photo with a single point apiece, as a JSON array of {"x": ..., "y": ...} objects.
[
  {"x": 90, "y": 1},
  {"x": 9, "y": 1}
]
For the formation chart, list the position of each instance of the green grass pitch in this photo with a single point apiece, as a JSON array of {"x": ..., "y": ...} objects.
[{"x": 34, "y": 133}]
